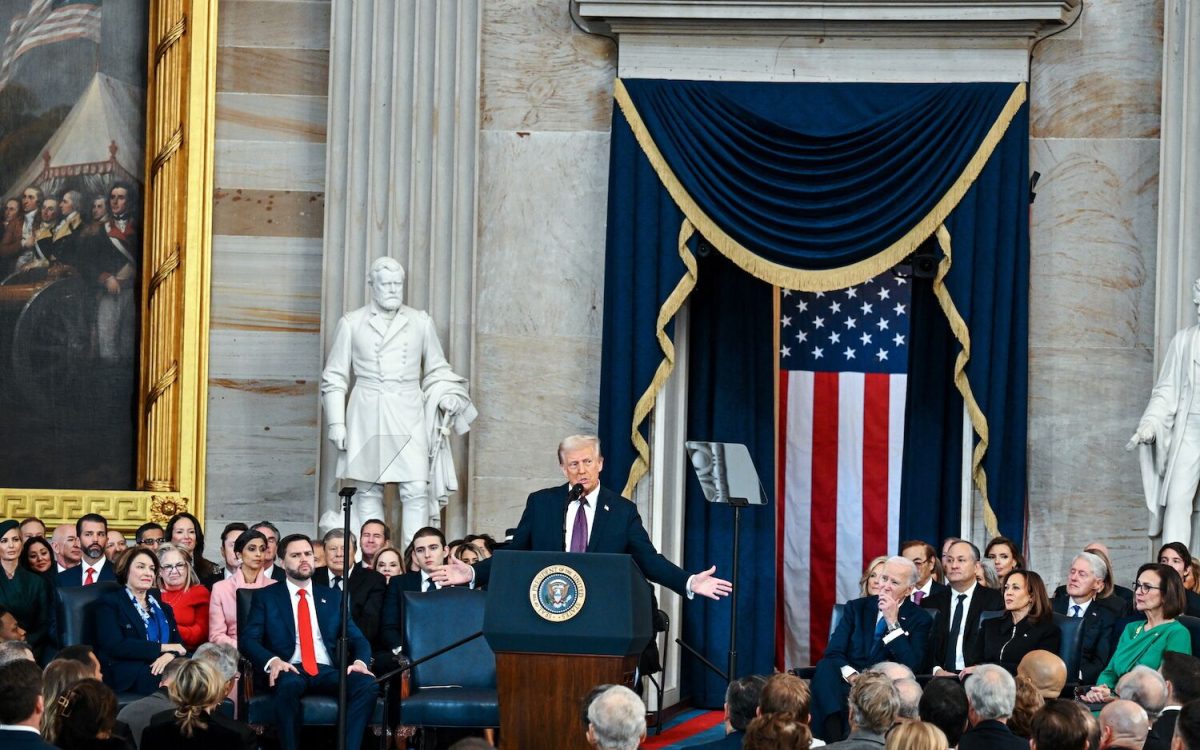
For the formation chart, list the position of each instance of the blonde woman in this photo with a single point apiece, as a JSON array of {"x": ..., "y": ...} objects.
[
  {"x": 868, "y": 585},
  {"x": 181, "y": 588},
  {"x": 197, "y": 690},
  {"x": 916, "y": 735}
]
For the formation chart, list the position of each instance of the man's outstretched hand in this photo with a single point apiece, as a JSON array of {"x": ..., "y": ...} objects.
[
  {"x": 454, "y": 573},
  {"x": 707, "y": 584}
]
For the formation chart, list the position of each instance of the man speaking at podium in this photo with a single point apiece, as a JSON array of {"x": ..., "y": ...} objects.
[{"x": 582, "y": 516}]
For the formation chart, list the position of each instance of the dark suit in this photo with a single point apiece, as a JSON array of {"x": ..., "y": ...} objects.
[
  {"x": 222, "y": 733},
  {"x": 861, "y": 739},
  {"x": 367, "y": 589},
  {"x": 935, "y": 587},
  {"x": 983, "y": 600},
  {"x": 74, "y": 576},
  {"x": 854, "y": 643},
  {"x": 270, "y": 632},
  {"x": 991, "y": 735},
  {"x": 731, "y": 741},
  {"x": 1162, "y": 730},
  {"x": 1095, "y": 638},
  {"x": 121, "y": 645},
  {"x": 392, "y": 630},
  {"x": 999, "y": 642},
  {"x": 16, "y": 739},
  {"x": 616, "y": 528}
]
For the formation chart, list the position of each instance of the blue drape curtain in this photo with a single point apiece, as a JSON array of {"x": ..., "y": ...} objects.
[{"x": 817, "y": 186}]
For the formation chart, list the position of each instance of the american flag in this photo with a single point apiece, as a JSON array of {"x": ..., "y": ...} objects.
[
  {"x": 843, "y": 363},
  {"x": 47, "y": 22}
]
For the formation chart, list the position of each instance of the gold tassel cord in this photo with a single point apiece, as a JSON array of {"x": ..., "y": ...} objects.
[
  {"x": 645, "y": 404},
  {"x": 834, "y": 278},
  {"x": 979, "y": 424}
]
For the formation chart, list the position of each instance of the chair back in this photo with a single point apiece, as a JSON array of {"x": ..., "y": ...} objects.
[
  {"x": 1070, "y": 642},
  {"x": 76, "y": 618},
  {"x": 1192, "y": 623},
  {"x": 989, "y": 614},
  {"x": 835, "y": 616},
  {"x": 245, "y": 598},
  {"x": 437, "y": 619}
]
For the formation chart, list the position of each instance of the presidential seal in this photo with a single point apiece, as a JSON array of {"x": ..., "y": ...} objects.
[{"x": 557, "y": 593}]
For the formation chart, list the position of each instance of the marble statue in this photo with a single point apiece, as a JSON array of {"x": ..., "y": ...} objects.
[
  {"x": 405, "y": 400},
  {"x": 1168, "y": 439}
]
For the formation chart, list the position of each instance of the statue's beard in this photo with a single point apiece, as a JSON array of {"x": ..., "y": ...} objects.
[{"x": 389, "y": 303}]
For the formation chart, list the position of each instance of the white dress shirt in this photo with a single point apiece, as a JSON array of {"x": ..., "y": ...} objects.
[
  {"x": 1083, "y": 607},
  {"x": 318, "y": 642},
  {"x": 94, "y": 567},
  {"x": 959, "y": 661}
]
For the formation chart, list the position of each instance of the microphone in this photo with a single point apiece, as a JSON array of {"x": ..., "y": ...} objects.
[{"x": 575, "y": 493}]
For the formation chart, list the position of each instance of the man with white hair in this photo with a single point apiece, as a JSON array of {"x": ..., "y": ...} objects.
[
  {"x": 405, "y": 401},
  {"x": 885, "y": 627},
  {"x": 1123, "y": 726},
  {"x": 616, "y": 720},
  {"x": 1145, "y": 687},
  {"x": 991, "y": 694},
  {"x": 1085, "y": 582}
]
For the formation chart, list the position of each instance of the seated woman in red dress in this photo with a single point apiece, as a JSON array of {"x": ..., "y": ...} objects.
[{"x": 181, "y": 588}]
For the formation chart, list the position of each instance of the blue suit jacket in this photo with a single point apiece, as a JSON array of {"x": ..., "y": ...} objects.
[
  {"x": 74, "y": 576},
  {"x": 271, "y": 628},
  {"x": 616, "y": 528},
  {"x": 121, "y": 644},
  {"x": 854, "y": 642}
]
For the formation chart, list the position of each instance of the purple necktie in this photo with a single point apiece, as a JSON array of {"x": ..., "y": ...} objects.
[
  {"x": 579, "y": 530},
  {"x": 918, "y": 596}
]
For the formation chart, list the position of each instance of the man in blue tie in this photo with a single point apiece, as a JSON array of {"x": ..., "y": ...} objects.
[
  {"x": 291, "y": 637},
  {"x": 582, "y": 516},
  {"x": 886, "y": 627}
]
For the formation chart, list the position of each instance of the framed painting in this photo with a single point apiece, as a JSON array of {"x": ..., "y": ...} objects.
[{"x": 106, "y": 143}]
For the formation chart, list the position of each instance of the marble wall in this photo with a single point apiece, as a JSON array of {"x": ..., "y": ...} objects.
[{"x": 545, "y": 110}]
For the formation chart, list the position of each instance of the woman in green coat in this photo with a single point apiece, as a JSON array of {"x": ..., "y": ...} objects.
[
  {"x": 25, "y": 594},
  {"x": 1158, "y": 594}
]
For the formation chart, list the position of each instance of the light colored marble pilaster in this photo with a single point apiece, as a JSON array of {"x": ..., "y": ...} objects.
[
  {"x": 1179, "y": 173},
  {"x": 401, "y": 171}
]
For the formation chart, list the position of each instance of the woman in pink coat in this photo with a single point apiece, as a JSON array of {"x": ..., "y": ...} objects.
[{"x": 251, "y": 549}]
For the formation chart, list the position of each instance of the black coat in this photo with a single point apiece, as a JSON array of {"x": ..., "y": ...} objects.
[
  {"x": 983, "y": 600},
  {"x": 1161, "y": 731},
  {"x": 367, "y": 591},
  {"x": 1095, "y": 638},
  {"x": 222, "y": 733},
  {"x": 121, "y": 645},
  {"x": 991, "y": 735},
  {"x": 1000, "y": 642}
]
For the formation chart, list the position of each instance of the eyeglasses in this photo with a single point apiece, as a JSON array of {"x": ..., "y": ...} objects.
[
  {"x": 151, "y": 541},
  {"x": 177, "y": 566},
  {"x": 1145, "y": 588}
]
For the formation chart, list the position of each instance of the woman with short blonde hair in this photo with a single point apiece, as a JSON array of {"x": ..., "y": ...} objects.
[{"x": 916, "y": 735}]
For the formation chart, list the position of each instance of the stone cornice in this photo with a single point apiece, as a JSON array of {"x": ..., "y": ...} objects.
[{"x": 841, "y": 18}]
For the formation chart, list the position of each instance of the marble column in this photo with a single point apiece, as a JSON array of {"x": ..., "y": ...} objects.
[
  {"x": 401, "y": 174},
  {"x": 1179, "y": 174}
]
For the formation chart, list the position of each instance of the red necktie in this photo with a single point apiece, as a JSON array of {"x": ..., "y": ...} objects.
[
  {"x": 308, "y": 651},
  {"x": 91, "y": 577}
]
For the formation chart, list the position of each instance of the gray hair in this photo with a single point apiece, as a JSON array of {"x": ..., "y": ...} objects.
[
  {"x": 894, "y": 670},
  {"x": 337, "y": 534},
  {"x": 909, "y": 691},
  {"x": 874, "y": 702},
  {"x": 1094, "y": 561},
  {"x": 575, "y": 442},
  {"x": 618, "y": 719},
  {"x": 992, "y": 692},
  {"x": 990, "y": 578},
  {"x": 1145, "y": 687},
  {"x": 11, "y": 651},
  {"x": 909, "y": 565},
  {"x": 222, "y": 656},
  {"x": 385, "y": 263}
]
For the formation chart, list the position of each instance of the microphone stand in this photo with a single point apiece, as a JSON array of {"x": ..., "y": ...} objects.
[{"x": 343, "y": 641}]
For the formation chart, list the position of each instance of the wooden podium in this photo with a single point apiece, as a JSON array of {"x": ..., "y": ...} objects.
[{"x": 561, "y": 624}]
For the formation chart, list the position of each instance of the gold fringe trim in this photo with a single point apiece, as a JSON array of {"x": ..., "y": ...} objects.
[
  {"x": 831, "y": 279},
  {"x": 978, "y": 420},
  {"x": 645, "y": 404}
]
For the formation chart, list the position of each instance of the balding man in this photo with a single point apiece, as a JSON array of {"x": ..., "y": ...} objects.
[
  {"x": 886, "y": 627},
  {"x": 1123, "y": 726},
  {"x": 1145, "y": 687},
  {"x": 65, "y": 543},
  {"x": 1046, "y": 671}
]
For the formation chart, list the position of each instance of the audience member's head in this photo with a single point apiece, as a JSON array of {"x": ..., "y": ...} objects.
[
  {"x": 1046, "y": 670},
  {"x": 923, "y": 555},
  {"x": 92, "y": 530},
  {"x": 11, "y": 651},
  {"x": 197, "y": 689},
  {"x": 586, "y": 703},
  {"x": 60, "y": 674},
  {"x": 429, "y": 548},
  {"x": 868, "y": 584},
  {"x": 1145, "y": 687},
  {"x": 991, "y": 692},
  {"x": 1187, "y": 727},
  {"x": 894, "y": 670},
  {"x": 777, "y": 731},
  {"x": 472, "y": 743},
  {"x": 296, "y": 556},
  {"x": 82, "y": 653},
  {"x": 1165, "y": 581},
  {"x": 85, "y": 712},
  {"x": 37, "y": 555},
  {"x": 986, "y": 575},
  {"x": 31, "y": 527},
  {"x": 335, "y": 550},
  {"x": 1059, "y": 726},
  {"x": 1004, "y": 554},
  {"x": 374, "y": 536},
  {"x": 272, "y": 534},
  {"x": 961, "y": 561},
  {"x": 1181, "y": 672},
  {"x": 469, "y": 553},
  {"x": 616, "y": 720},
  {"x": 873, "y": 703},
  {"x": 1086, "y": 576},
  {"x": 114, "y": 544},
  {"x": 1100, "y": 550},
  {"x": 741, "y": 701},
  {"x": 917, "y": 735},
  {"x": 1124, "y": 724},
  {"x": 223, "y": 657},
  {"x": 1029, "y": 701},
  {"x": 785, "y": 692},
  {"x": 65, "y": 543},
  {"x": 149, "y": 535},
  {"x": 229, "y": 537},
  {"x": 170, "y": 670},
  {"x": 944, "y": 704},
  {"x": 21, "y": 700},
  {"x": 909, "y": 691},
  {"x": 10, "y": 629}
]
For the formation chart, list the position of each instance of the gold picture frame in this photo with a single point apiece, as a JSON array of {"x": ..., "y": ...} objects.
[{"x": 173, "y": 363}]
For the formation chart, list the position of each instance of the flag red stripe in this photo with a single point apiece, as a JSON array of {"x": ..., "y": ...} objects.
[
  {"x": 875, "y": 467},
  {"x": 781, "y": 419},
  {"x": 823, "y": 515}
]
